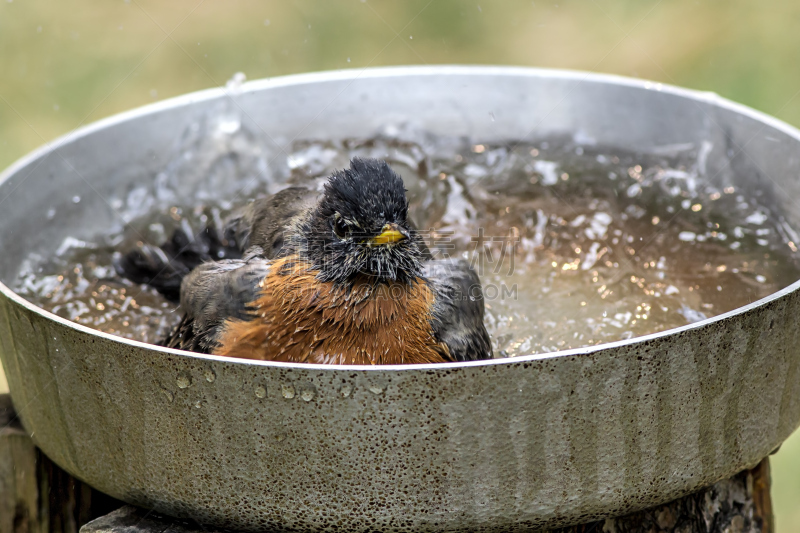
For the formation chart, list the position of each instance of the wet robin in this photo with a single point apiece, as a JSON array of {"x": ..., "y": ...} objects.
[{"x": 339, "y": 277}]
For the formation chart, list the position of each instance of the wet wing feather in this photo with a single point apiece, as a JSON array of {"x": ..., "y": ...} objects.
[
  {"x": 213, "y": 293},
  {"x": 457, "y": 315},
  {"x": 261, "y": 223},
  {"x": 265, "y": 221}
]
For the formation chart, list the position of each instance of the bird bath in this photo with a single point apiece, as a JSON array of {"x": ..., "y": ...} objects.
[{"x": 540, "y": 440}]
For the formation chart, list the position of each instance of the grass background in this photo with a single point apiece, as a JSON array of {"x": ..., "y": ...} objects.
[{"x": 65, "y": 64}]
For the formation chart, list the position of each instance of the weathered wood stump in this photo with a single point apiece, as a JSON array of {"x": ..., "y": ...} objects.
[{"x": 38, "y": 497}]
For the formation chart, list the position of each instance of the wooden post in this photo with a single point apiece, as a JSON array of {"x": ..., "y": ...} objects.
[{"x": 19, "y": 491}]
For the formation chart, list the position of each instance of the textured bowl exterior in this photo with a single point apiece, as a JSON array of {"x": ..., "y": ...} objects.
[{"x": 502, "y": 445}]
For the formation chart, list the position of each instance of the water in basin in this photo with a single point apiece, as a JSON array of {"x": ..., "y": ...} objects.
[{"x": 575, "y": 245}]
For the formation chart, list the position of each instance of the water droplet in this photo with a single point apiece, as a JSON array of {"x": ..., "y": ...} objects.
[
  {"x": 375, "y": 389},
  {"x": 308, "y": 394},
  {"x": 261, "y": 392},
  {"x": 229, "y": 125},
  {"x": 234, "y": 85},
  {"x": 198, "y": 404},
  {"x": 346, "y": 390},
  {"x": 184, "y": 381},
  {"x": 210, "y": 376},
  {"x": 757, "y": 218},
  {"x": 76, "y": 199},
  {"x": 287, "y": 391}
]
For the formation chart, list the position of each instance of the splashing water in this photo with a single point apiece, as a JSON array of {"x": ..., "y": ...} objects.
[{"x": 575, "y": 245}]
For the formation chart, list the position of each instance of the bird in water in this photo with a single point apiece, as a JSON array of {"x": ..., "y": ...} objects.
[{"x": 340, "y": 277}]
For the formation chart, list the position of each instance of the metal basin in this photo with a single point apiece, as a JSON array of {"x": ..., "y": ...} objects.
[{"x": 500, "y": 445}]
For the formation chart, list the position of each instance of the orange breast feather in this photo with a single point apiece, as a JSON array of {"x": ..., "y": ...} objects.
[{"x": 297, "y": 318}]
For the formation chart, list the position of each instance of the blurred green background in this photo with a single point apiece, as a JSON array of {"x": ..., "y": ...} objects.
[{"x": 65, "y": 64}]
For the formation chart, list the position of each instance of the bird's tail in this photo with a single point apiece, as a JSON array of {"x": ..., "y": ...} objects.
[{"x": 164, "y": 267}]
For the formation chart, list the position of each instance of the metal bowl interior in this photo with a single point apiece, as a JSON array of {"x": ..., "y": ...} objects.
[{"x": 538, "y": 441}]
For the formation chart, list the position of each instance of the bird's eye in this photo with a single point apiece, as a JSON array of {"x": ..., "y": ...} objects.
[{"x": 340, "y": 227}]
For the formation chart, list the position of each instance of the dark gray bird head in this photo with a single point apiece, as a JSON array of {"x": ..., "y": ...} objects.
[{"x": 360, "y": 227}]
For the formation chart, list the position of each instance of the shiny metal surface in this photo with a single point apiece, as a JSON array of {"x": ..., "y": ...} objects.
[{"x": 499, "y": 445}]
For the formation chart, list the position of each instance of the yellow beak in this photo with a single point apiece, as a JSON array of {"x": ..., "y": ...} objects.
[{"x": 390, "y": 234}]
